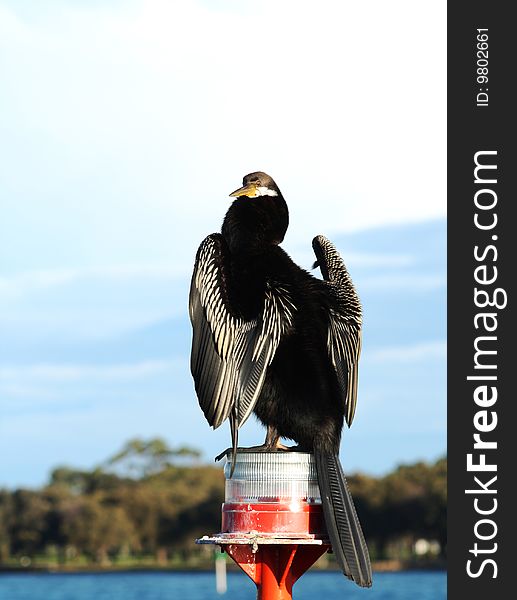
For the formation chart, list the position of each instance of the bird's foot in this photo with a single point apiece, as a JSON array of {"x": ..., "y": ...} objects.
[
  {"x": 262, "y": 448},
  {"x": 224, "y": 453}
]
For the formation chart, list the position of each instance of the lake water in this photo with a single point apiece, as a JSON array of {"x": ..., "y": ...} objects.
[{"x": 412, "y": 585}]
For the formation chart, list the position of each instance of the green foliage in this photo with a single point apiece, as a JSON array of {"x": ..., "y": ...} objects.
[
  {"x": 139, "y": 458},
  {"x": 405, "y": 505},
  {"x": 152, "y": 500}
]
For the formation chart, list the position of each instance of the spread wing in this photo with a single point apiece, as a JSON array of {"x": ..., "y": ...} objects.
[
  {"x": 345, "y": 321},
  {"x": 230, "y": 355}
]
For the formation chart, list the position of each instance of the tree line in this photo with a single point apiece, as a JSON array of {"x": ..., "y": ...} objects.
[{"x": 150, "y": 500}]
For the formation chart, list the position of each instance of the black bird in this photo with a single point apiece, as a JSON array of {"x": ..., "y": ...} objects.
[{"x": 271, "y": 339}]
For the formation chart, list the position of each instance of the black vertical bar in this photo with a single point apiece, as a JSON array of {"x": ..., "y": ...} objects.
[{"x": 481, "y": 118}]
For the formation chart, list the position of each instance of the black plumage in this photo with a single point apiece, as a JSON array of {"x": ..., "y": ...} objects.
[{"x": 271, "y": 339}]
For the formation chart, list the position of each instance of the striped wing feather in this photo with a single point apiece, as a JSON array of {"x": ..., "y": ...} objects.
[
  {"x": 230, "y": 355},
  {"x": 345, "y": 321}
]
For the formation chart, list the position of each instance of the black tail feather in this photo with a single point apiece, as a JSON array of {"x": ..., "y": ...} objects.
[
  {"x": 234, "y": 429},
  {"x": 344, "y": 530}
]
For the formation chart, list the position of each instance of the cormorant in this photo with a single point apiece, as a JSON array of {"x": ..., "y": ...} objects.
[{"x": 271, "y": 339}]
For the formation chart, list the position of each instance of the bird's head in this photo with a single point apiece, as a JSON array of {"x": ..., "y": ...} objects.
[
  {"x": 259, "y": 222},
  {"x": 257, "y": 184}
]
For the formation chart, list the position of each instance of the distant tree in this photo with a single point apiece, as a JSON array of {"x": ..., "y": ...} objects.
[
  {"x": 410, "y": 502},
  {"x": 194, "y": 504},
  {"x": 153, "y": 499},
  {"x": 139, "y": 458},
  {"x": 73, "y": 479},
  {"x": 84, "y": 482},
  {"x": 96, "y": 529},
  {"x": 144, "y": 506},
  {"x": 6, "y": 521},
  {"x": 29, "y": 521}
]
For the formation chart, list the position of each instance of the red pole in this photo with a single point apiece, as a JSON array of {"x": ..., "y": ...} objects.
[
  {"x": 274, "y": 568},
  {"x": 275, "y": 581}
]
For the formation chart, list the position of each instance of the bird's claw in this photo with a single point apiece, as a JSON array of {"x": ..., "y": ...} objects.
[
  {"x": 262, "y": 448},
  {"x": 223, "y": 454}
]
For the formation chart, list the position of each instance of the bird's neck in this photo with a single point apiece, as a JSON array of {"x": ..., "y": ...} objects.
[{"x": 252, "y": 225}]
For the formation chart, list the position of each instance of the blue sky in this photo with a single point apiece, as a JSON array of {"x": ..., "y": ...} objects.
[{"x": 124, "y": 126}]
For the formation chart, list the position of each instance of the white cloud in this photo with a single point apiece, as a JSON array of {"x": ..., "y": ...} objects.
[
  {"x": 90, "y": 302},
  {"x": 33, "y": 281},
  {"x": 149, "y": 113},
  {"x": 58, "y": 373}
]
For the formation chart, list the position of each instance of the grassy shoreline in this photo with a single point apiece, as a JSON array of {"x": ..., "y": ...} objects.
[{"x": 382, "y": 566}]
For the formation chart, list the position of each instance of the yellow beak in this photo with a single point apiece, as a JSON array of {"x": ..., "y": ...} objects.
[{"x": 249, "y": 190}]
